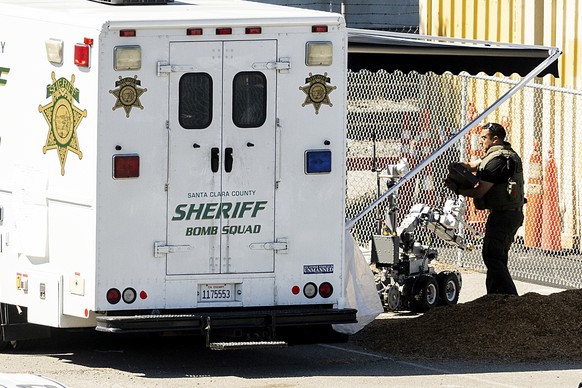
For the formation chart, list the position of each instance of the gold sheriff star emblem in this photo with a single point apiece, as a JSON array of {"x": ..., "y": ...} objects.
[
  {"x": 318, "y": 90},
  {"x": 128, "y": 93},
  {"x": 63, "y": 118}
]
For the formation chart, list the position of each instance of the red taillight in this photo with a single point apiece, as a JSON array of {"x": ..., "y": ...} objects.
[
  {"x": 82, "y": 54},
  {"x": 224, "y": 31},
  {"x": 127, "y": 33},
  {"x": 125, "y": 166},
  {"x": 318, "y": 28},
  {"x": 253, "y": 30},
  {"x": 194, "y": 31},
  {"x": 143, "y": 294},
  {"x": 295, "y": 290},
  {"x": 113, "y": 296},
  {"x": 325, "y": 290}
]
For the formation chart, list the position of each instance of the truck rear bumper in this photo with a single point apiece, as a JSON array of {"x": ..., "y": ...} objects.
[{"x": 225, "y": 320}]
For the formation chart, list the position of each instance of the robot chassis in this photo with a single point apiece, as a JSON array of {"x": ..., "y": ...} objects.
[{"x": 405, "y": 280}]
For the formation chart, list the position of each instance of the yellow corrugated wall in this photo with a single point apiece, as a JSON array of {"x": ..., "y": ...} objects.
[{"x": 540, "y": 22}]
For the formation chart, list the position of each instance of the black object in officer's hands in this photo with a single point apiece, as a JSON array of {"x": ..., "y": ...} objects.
[{"x": 460, "y": 177}]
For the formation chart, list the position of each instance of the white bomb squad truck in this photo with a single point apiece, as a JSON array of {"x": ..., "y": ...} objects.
[{"x": 171, "y": 167}]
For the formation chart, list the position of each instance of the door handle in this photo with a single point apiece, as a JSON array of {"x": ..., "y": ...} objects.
[
  {"x": 214, "y": 159},
  {"x": 228, "y": 159}
]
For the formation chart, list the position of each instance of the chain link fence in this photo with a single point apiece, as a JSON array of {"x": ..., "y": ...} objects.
[{"x": 394, "y": 117}]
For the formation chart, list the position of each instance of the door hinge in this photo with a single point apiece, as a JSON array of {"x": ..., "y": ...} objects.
[
  {"x": 283, "y": 64},
  {"x": 280, "y": 246},
  {"x": 160, "y": 248}
]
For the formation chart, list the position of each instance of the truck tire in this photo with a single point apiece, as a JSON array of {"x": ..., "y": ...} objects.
[
  {"x": 3, "y": 321},
  {"x": 15, "y": 327},
  {"x": 426, "y": 294},
  {"x": 449, "y": 288}
]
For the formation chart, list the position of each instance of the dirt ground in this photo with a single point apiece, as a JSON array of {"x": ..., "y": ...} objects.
[{"x": 526, "y": 328}]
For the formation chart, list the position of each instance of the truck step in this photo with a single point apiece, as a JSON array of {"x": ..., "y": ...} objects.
[{"x": 247, "y": 345}]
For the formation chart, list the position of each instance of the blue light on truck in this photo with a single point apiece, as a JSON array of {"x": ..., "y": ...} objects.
[{"x": 318, "y": 162}]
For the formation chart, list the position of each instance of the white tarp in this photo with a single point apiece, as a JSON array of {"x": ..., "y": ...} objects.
[{"x": 360, "y": 289}]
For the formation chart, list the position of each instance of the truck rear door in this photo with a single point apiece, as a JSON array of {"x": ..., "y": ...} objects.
[{"x": 221, "y": 179}]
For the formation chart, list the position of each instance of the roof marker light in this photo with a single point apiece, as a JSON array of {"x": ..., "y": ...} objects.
[
  {"x": 194, "y": 31},
  {"x": 253, "y": 30},
  {"x": 224, "y": 31},
  {"x": 127, "y": 33},
  {"x": 318, "y": 28}
]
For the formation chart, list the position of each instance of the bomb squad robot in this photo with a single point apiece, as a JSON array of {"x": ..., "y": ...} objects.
[{"x": 405, "y": 278}]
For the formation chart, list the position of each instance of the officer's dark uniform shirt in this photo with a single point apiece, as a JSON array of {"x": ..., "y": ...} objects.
[
  {"x": 498, "y": 170},
  {"x": 500, "y": 230}
]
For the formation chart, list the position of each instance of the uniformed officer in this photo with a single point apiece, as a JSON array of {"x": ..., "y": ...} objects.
[{"x": 500, "y": 189}]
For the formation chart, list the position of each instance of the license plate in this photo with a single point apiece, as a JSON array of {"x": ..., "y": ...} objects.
[{"x": 216, "y": 293}]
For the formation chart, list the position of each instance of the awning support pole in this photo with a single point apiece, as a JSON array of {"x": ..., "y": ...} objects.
[{"x": 554, "y": 54}]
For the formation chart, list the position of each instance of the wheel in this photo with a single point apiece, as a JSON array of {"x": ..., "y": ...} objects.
[
  {"x": 426, "y": 294},
  {"x": 393, "y": 298},
  {"x": 381, "y": 287},
  {"x": 449, "y": 288}
]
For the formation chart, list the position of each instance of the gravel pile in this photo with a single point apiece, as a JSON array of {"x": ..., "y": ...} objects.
[{"x": 526, "y": 328}]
